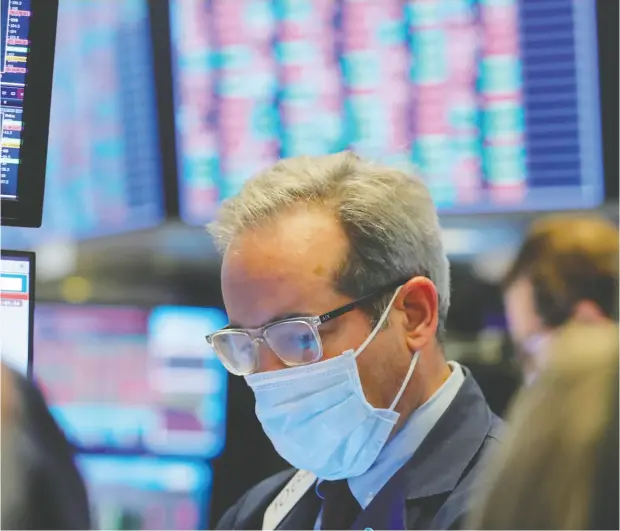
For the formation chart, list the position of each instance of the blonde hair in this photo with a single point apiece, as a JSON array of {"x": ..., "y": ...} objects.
[
  {"x": 388, "y": 216},
  {"x": 542, "y": 475}
]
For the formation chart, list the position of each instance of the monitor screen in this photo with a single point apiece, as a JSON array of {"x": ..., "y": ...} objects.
[
  {"x": 115, "y": 381},
  {"x": 190, "y": 379},
  {"x": 103, "y": 169},
  {"x": 13, "y": 61},
  {"x": 146, "y": 492},
  {"x": 26, "y": 65},
  {"x": 494, "y": 101},
  {"x": 16, "y": 309}
]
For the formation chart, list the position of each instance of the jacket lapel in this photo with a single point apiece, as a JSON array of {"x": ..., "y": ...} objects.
[
  {"x": 445, "y": 455},
  {"x": 387, "y": 509},
  {"x": 436, "y": 467},
  {"x": 438, "y": 464}
]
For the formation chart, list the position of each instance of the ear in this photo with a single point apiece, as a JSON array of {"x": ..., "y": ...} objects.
[
  {"x": 419, "y": 303},
  {"x": 588, "y": 312}
]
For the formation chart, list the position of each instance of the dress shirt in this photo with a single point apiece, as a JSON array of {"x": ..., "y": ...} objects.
[{"x": 401, "y": 448}]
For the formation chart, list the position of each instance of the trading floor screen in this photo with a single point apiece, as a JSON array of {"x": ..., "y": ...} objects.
[{"x": 495, "y": 102}]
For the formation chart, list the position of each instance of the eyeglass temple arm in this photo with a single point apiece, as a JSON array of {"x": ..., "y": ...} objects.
[
  {"x": 340, "y": 311},
  {"x": 352, "y": 305}
]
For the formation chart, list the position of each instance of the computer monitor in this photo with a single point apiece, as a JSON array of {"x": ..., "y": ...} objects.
[
  {"x": 17, "y": 271},
  {"x": 496, "y": 103},
  {"x": 103, "y": 174},
  {"x": 147, "y": 492},
  {"x": 192, "y": 382},
  {"x": 124, "y": 379},
  {"x": 26, "y": 66}
]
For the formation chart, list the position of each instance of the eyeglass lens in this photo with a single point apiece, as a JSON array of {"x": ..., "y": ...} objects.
[{"x": 294, "y": 342}]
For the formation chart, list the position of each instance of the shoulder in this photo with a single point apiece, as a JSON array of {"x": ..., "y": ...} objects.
[
  {"x": 491, "y": 442},
  {"x": 248, "y": 512},
  {"x": 454, "y": 511},
  {"x": 495, "y": 435}
]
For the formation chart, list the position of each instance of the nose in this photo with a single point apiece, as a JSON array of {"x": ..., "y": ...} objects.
[{"x": 267, "y": 358}]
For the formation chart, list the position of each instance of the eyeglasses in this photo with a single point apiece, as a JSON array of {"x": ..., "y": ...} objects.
[{"x": 296, "y": 341}]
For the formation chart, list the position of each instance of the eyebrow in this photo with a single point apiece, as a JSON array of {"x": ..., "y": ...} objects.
[{"x": 280, "y": 317}]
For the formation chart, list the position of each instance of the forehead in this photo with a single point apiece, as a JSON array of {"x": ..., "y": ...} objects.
[
  {"x": 284, "y": 267},
  {"x": 521, "y": 313}
]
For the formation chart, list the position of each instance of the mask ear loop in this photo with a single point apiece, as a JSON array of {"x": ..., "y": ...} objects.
[
  {"x": 372, "y": 335},
  {"x": 376, "y": 329},
  {"x": 412, "y": 365}
]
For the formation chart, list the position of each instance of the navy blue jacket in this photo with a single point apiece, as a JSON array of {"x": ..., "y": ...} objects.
[{"x": 431, "y": 491}]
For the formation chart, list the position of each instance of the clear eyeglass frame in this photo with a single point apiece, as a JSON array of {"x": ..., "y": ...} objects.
[{"x": 258, "y": 335}]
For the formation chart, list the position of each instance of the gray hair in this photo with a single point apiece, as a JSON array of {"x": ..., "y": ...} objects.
[{"x": 387, "y": 215}]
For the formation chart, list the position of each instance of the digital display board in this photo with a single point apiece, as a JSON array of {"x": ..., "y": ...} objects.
[
  {"x": 27, "y": 44},
  {"x": 15, "y": 18},
  {"x": 494, "y": 101},
  {"x": 146, "y": 492},
  {"x": 103, "y": 168},
  {"x": 131, "y": 380}
]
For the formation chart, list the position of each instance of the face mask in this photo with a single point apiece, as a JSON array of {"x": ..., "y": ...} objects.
[{"x": 318, "y": 418}]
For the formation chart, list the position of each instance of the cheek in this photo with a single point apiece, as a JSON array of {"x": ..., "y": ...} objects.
[
  {"x": 515, "y": 319},
  {"x": 521, "y": 315},
  {"x": 381, "y": 366},
  {"x": 350, "y": 333},
  {"x": 522, "y": 323},
  {"x": 336, "y": 343}
]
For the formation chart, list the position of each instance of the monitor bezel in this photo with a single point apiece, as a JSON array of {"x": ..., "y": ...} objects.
[
  {"x": 27, "y": 209},
  {"x": 607, "y": 31},
  {"x": 31, "y": 258}
]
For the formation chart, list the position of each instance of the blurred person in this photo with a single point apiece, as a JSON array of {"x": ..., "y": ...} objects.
[
  {"x": 337, "y": 287},
  {"x": 557, "y": 467},
  {"x": 565, "y": 271},
  {"x": 41, "y": 487}
]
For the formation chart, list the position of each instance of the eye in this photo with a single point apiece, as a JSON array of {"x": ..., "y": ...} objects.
[{"x": 306, "y": 341}]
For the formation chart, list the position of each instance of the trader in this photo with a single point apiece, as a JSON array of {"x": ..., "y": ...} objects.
[
  {"x": 566, "y": 271},
  {"x": 337, "y": 288}
]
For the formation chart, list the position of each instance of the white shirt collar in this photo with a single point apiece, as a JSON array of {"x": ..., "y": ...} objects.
[{"x": 401, "y": 448}]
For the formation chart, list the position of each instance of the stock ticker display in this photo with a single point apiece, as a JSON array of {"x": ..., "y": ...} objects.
[
  {"x": 14, "y": 24},
  {"x": 124, "y": 379},
  {"x": 494, "y": 101},
  {"x": 103, "y": 166}
]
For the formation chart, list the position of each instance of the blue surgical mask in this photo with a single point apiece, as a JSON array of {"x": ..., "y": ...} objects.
[{"x": 317, "y": 415}]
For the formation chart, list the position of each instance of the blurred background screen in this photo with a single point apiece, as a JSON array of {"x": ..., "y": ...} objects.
[
  {"x": 501, "y": 93},
  {"x": 16, "y": 308},
  {"x": 103, "y": 157},
  {"x": 159, "y": 104},
  {"x": 147, "y": 492},
  {"x": 190, "y": 379},
  {"x": 127, "y": 379}
]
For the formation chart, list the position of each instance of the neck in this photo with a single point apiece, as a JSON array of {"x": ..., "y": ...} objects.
[{"x": 430, "y": 374}]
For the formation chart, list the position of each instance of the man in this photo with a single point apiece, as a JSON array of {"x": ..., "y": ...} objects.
[
  {"x": 565, "y": 271},
  {"x": 337, "y": 288}
]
